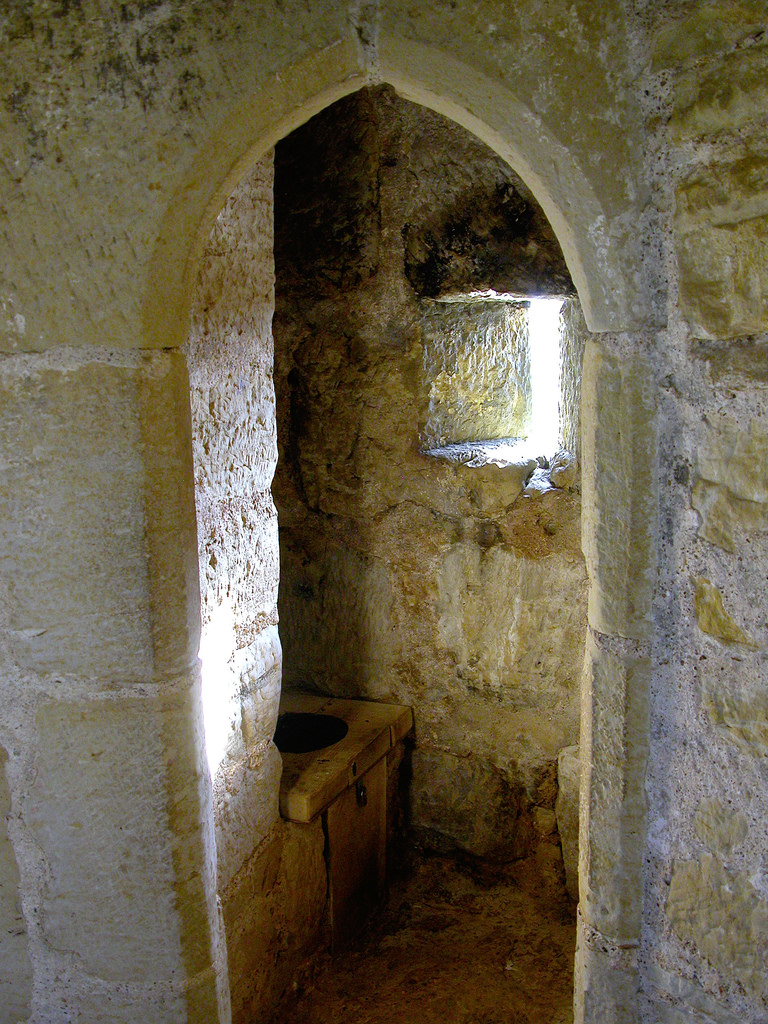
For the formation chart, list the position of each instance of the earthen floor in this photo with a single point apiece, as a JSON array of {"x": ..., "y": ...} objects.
[{"x": 455, "y": 945}]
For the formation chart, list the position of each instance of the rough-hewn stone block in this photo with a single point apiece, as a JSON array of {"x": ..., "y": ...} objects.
[
  {"x": 605, "y": 979},
  {"x": 723, "y": 274},
  {"x": 706, "y": 27},
  {"x": 477, "y": 378},
  {"x": 72, "y": 523},
  {"x": 731, "y": 492},
  {"x": 614, "y": 750},
  {"x": 712, "y": 617},
  {"x": 739, "y": 364},
  {"x": 685, "y": 1002},
  {"x": 720, "y": 827},
  {"x": 170, "y": 512},
  {"x": 619, "y": 491},
  {"x": 103, "y": 808},
  {"x": 735, "y": 697},
  {"x": 465, "y": 803},
  {"x": 567, "y": 811},
  {"x": 15, "y": 967},
  {"x": 721, "y": 231},
  {"x": 248, "y": 811},
  {"x": 729, "y": 95},
  {"x": 273, "y": 910}
]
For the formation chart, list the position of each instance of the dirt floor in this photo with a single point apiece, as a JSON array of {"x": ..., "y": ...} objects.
[{"x": 458, "y": 943}]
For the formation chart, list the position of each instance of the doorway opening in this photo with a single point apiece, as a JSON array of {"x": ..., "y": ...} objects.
[{"x": 452, "y": 587}]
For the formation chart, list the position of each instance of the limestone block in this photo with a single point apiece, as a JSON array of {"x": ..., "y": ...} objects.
[
  {"x": 476, "y": 376},
  {"x": 230, "y": 349},
  {"x": 544, "y": 821},
  {"x": 731, "y": 492},
  {"x": 719, "y": 827},
  {"x": 742, "y": 363},
  {"x": 573, "y": 338},
  {"x": 111, "y": 1004},
  {"x": 729, "y": 95},
  {"x": 114, "y": 810},
  {"x": 72, "y": 518},
  {"x": 171, "y": 537},
  {"x": 564, "y": 470},
  {"x": 712, "y": 617},
  {"x": 15, "y": 967},
  {"x": 273, "y": 911},
  {"x": 690, "y": 1004},
  {"x": 234, "y": 296},
  {"x": 338, "y": 617},
  {"x": 521, "y": 651},
  {"x": 240, "y": 696},
  {"x": 721, "y": 227},
  {"x": 723, "y": 273},
  {"x": 735, "y": 698},
  {"x": 606, "y": 980},
  {"x": 465, "y": 803},
  {"x": 619, "y": 485},
  {"x": 259, "y": 669},
  {"x": 725, "y": 918},
  {"x": 245, "y": 808},
  {"x": 567, "y": 811},
  {"x": 726, "y": 518},
  {"x": 492, "y": 489},
  {"x": 612, "y": 819},
  {"x": 239, "y": 558},
  {"x": 706, "y": 28},
  {"x": 235, "y": 443}
]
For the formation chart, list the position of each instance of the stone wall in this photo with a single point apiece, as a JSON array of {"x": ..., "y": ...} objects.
[
  {"x": 271, "y": 875},
  {"x": 407, "y": 578},
  {"x": 707, "y": 883}
]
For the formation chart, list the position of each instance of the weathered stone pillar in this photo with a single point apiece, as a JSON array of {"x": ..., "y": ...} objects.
[
  {"x": 619, "y": 530},
  {"x": 107, "y": 851}
]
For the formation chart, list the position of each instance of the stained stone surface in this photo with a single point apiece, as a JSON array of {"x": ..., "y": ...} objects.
[
  {"x": 726, "y": 96},
  {"x": 743, "y": 363},
  {"x": 274, "y": 915},
  {"x": 735, "y": 698},
  {"x": 725, "y": 916},
  {"x": 721, "y": 220},
  {"x": 125, "y": 935},
  {"x": 720, "y": 827},
  {"x": 713, "y": 617},
  {"x": 73, "y": 528},
  {"x": 567, "y": 811},
  {"x": 477, "y": 370},
  {"x": 15, "y": 967},
  {"x": 731, "y": 492},
  {"x": 695, "y": 30}
]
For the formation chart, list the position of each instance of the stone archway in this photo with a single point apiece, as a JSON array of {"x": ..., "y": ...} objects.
[{"x": 619, "y": 446}]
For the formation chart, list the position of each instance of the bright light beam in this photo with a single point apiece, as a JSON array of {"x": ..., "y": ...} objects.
[{"x": 544, "y": 347}]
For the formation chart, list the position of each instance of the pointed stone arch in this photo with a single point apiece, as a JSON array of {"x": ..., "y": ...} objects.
[{"x": 595, "y": 226}]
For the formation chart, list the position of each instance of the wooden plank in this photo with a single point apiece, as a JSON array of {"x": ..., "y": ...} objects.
[{"x": 357, "y": 854}]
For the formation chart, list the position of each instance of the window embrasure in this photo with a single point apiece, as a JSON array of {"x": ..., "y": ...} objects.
[{"x": 493, "y": 375}]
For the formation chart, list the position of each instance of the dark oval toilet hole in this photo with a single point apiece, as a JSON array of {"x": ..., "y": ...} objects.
[{"x": 299, "y": 732}]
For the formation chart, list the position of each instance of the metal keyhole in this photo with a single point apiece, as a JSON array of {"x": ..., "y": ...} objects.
[{"x": 362, "y": 794}]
